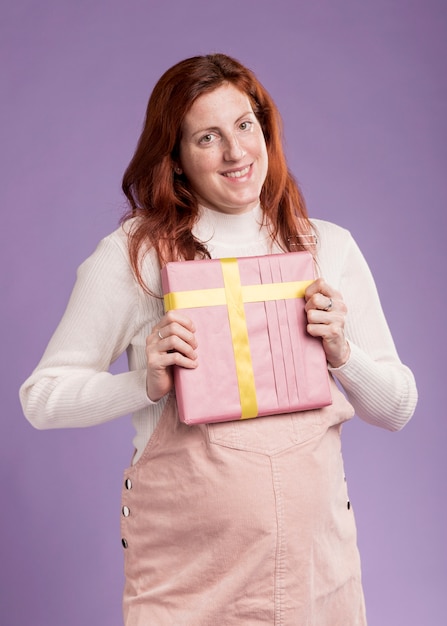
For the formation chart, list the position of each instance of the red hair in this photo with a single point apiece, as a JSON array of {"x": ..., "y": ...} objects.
[{"x": 163, "y": 200}]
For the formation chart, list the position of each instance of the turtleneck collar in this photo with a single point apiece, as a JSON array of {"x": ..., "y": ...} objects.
[{"x": 228, "y": 229}]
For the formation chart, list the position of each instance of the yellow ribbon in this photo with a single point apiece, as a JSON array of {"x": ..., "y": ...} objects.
[
  {"x": 250, "y": 293},
  {"x": 234, "y": 296},
  {"x": 239, "y": 337}
]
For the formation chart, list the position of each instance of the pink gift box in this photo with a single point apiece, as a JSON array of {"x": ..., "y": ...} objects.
[{"x": 255, "y": 355}]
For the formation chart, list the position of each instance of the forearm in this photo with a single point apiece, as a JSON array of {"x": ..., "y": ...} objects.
[
  {"x": 73, "y": 399},
  {"x": 383, "y": 393}
]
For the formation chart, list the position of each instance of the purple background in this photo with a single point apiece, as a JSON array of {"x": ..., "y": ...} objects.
[{"x": 362, "y": 90}]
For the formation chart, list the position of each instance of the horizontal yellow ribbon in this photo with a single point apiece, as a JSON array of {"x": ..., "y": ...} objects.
[
  {"x": 234, "y": 296},
  {"x": 196, "y": 298}
]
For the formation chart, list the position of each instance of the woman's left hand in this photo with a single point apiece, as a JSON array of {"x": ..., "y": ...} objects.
[{"x": 326, "y": 314}]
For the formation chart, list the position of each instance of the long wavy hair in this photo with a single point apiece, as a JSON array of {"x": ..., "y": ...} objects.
[{"x": 163, "y": 199}]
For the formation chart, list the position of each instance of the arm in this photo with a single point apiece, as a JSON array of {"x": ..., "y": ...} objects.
[
  {"x": 379, "y": 386},
  {"x": 71, "y": 386}
]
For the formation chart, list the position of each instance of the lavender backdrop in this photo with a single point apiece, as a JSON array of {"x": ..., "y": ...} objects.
[{"x": 362, "y": 89}]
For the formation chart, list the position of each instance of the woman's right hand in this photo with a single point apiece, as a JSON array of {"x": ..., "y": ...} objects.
[{"x": 171, "y": 342}]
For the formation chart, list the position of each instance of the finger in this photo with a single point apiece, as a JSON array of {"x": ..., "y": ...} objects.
[
  {"x": 160, "y": 357},
  {"x": 174, "y": 343},
  {"x": 164, "y": 360},
  {"x": 177, "y": 317},
  {"x": 329, "y": 305},
  {"x": 321, "y": 302},
  {"x": 174, "y": 323},
  {"x": 320, "y": 325},
  {"x": 318, "y": 286},
  {"x": 173, "y": 337},
  {"x": 319, "y": 295},
  {"x": 320, "y": 314},
  {"x": 181, "y": 360}
]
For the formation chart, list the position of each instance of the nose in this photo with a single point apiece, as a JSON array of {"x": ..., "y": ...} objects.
[{"x": 233, "y": 150}]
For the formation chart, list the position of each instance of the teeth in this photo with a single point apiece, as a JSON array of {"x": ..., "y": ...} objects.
[{"x": 239, "y": 173}]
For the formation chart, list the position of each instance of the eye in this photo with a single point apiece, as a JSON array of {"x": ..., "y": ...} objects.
[
  {"x": 245, "y": 125},
  {"x": 209, "y": 138}
]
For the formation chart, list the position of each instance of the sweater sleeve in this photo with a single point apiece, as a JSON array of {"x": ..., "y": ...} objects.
[
  {"x": 380, "y": 387},
  {"x": 71, "y": 386}
]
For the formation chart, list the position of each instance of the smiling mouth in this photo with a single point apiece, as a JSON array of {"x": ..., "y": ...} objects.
[{"x": 237, "y": 173}]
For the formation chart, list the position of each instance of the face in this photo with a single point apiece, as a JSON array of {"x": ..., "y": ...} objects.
[{"x": 223, "y": 152}]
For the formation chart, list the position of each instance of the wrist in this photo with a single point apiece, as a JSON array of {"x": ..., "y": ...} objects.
[{"x": 336, "y": 364}]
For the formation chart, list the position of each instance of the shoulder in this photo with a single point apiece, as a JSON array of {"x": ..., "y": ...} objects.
[
  {"x": 328, "y": 232},
  {"x": 332, "y": 240},
  {"x": 337, "y": 251},
  {"x": 115, "y": 246},
  {"x": 112, "y": 255},
  {"x": 119, "y": 238},
  {"x": 109, "y": 258}
]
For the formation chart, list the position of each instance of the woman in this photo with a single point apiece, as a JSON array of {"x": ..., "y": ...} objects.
[{"x": 243, "y": 522}]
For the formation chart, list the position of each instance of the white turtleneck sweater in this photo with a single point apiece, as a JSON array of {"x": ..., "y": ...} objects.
[{"x": 109, "y": 313}]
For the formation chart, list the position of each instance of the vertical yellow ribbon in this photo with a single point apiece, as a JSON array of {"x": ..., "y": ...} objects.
[{"x": 239, "y": 336}]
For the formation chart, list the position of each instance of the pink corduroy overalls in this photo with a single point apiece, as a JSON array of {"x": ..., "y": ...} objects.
[{"x": 242, "y": 523}]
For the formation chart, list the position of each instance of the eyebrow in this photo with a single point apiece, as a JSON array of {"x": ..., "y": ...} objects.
[{"x": 209, "y": 129}]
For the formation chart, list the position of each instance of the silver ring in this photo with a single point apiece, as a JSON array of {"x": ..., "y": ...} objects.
[
  {"x": 329, "y": 306},
  {"x": 160, "y": 335}
]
